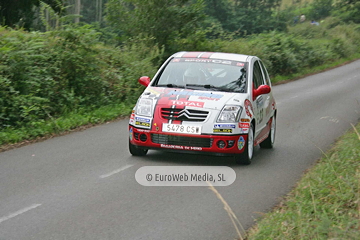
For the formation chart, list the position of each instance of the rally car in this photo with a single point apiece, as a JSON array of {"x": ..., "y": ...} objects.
[{"x": 205, "y": 102}]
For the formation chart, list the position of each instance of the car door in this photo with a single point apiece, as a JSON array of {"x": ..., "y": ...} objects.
[
  {"x": 269, "y": 99},
  {"x": 259, "y": 101}
]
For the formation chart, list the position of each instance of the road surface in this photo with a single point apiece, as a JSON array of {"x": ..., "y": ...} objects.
[{"x": 82, "y": 185}]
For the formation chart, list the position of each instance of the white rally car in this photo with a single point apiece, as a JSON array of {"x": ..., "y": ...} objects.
[{"x": 205, "y": 102}]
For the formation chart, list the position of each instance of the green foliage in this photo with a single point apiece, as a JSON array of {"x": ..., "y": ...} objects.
[
  {"x": 21, "y": 12},
  {"x": 179, "y": 19},
  {"x": 221, "y": 12},
  {"x": 320, "y": 9},
  {"x": 64, "y": 123},
  {"x": 46, "y": 75},
  {"x": 255, "y": 17},
  {"x": 348, "y": 10}
]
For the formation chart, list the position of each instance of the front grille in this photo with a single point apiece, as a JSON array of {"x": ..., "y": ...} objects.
[
  {"x": 181, "y": 114},
  {"x": 181, "y": 140}
]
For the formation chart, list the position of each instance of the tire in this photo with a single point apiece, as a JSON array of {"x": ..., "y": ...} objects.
[
  {"x": 270, "y": 140},
  {"x": 137, "y": 151},
  {"x": 245, "y": 157}
]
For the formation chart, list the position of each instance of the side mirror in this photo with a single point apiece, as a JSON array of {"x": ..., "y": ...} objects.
[
  {"x": 145, "y": 80},
  {"x": 262, "y": 89}
]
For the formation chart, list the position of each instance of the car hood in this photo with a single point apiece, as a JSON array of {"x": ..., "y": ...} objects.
[{"x": 214, "y": 100}]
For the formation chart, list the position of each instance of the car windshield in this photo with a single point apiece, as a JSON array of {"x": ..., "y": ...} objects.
[{"x": 203, "y": 74}]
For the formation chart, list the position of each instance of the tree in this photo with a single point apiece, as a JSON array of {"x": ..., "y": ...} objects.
[
  {"x": 163, "y": 20},
  {"x": 348, "y": 10},
  {"x": 221, "y": 11},
  {"x": 320, "y": 9},
  {"x": 257, "y": 16},
  {"x": 20, "y": 12},
  {"x": 92, "y": 10}
]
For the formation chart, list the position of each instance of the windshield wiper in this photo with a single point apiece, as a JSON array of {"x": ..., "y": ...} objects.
[
  {"x": 170, "y": 85},
  {"x": 207, "y": 86}
]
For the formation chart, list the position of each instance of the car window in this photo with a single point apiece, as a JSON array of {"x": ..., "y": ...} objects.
[
  {"x": 266, "y": 74},
  {"x": 204, "y": 74},
  {"x": 258, "y": 78}
]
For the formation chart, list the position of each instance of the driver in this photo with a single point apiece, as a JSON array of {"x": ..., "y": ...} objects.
[{"x": 193, "y": 76}]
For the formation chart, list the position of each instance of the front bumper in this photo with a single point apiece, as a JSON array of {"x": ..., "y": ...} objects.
[{"x": 204, "y": 143}]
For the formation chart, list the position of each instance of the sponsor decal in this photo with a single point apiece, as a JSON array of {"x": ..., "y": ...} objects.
[
  {"x": 244, "y": 130},
  {"x": 207, "y": 98},
  {"x": 241, "y": 142},
  {"x": 204, "y": 58},
  {"x": 248, "y": 107},
  {"x": 221, "y": 130},
  {"x": 142, "y": 130},
  {"x": 142, "y": 124},
  {"x": 142, "y": 121},
  {"x": 244, "y": 120},
  {"x": 208, "y": 61},
  {"x": 224, "y": 126},
  {"x": 187, "y": 103},
  {"x": 180, "y": 147},
  {"x": 244, "y": 125},
  {"x": 156, "y": 127},
  {"x": 131, "y": 134},
  {"x": 153, "y": 90},
  {"x": 193, "y": 93}
]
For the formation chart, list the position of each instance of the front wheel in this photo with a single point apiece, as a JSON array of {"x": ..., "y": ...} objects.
[
  {"x": 269, "y": 141},
  {"x": 137, "y": 151},
  {"x": 245, "y": 157}
]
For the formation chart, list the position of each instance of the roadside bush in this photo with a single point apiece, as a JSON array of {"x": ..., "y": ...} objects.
[
  {"x": 45, "y": 75},
  {"x": 285, "y": 53},
  {"x": 48, "y": 75}
]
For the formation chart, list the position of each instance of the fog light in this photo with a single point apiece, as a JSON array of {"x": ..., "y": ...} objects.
[
  {"x": 221, "y": 144},
  {"x": 143, "y": 137}
]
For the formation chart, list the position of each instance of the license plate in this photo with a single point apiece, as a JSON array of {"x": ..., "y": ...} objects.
[{"x": 177, "y": 128}]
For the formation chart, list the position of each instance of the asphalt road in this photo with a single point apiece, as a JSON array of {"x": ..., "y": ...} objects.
[{"x": 82, "y": 185}]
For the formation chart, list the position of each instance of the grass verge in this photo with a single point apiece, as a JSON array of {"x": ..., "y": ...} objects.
[
  {"x": 74, "y": 121},
  {"x": 326, "y": 202}
]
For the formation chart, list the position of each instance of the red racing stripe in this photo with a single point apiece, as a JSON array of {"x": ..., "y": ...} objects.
[
  {"x": 206, "y": 55},
  {"x": 192, "y": 55}
]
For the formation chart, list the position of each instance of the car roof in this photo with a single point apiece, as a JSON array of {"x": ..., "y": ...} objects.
[{"x": 214, "y": 55}]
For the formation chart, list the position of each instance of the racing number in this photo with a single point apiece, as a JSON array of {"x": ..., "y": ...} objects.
[{"x": 261, "y": 115}]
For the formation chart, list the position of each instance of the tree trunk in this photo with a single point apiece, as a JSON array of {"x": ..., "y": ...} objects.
[
  {"x": 98, "y": 11},
  {"x": 77, "y": 10}
]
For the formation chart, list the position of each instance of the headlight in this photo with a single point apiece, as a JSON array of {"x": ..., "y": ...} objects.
[
  {"x": 144, "y": 107},
  {"x": 229, "y": 114}
]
